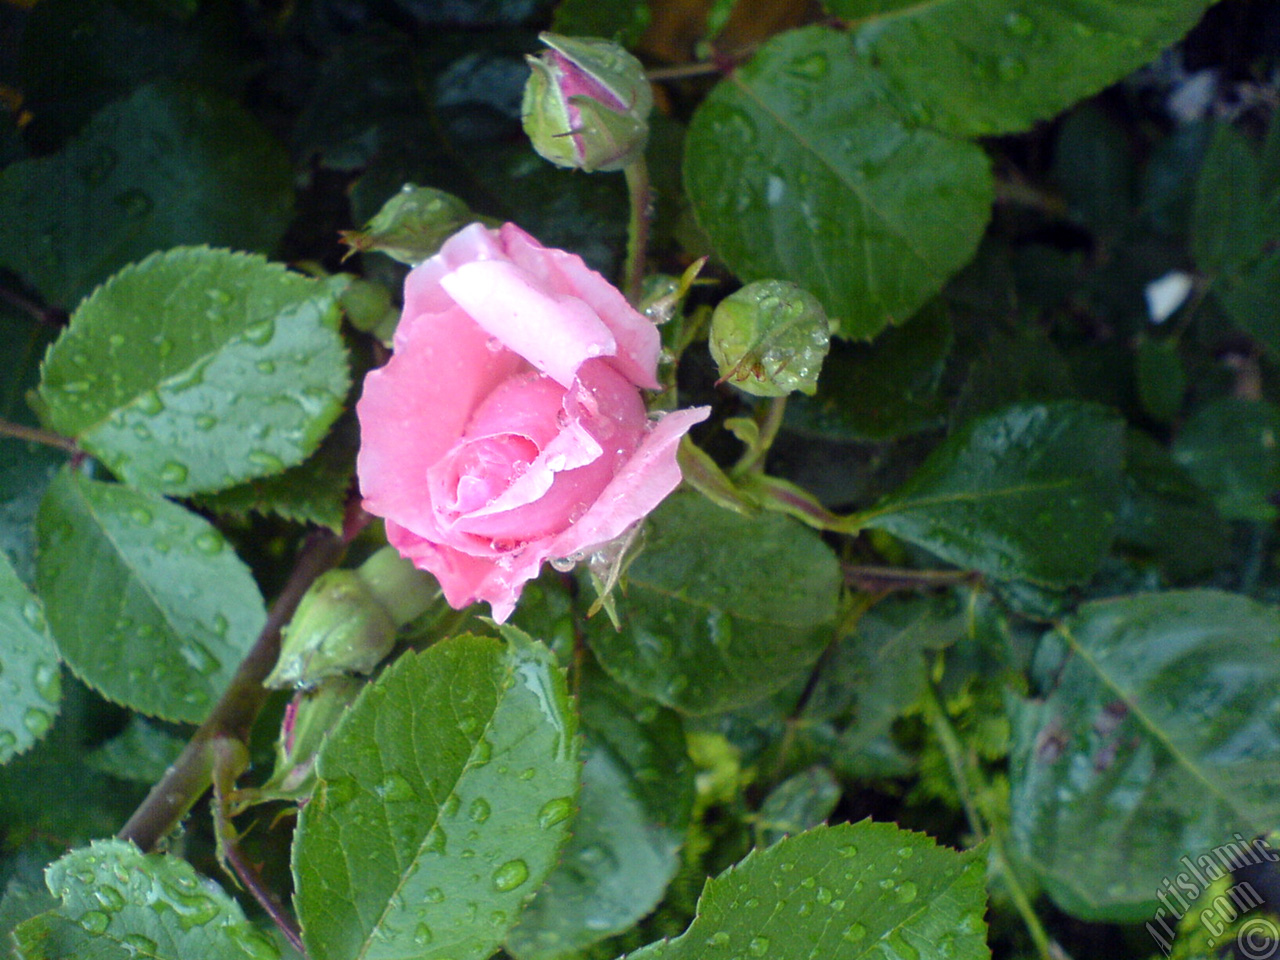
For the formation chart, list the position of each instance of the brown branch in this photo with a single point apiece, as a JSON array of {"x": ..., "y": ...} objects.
[{"x": 36, "y": 435}]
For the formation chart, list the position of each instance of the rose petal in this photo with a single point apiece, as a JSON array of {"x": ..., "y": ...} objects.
[
  {"x": 414, "y": 409},
  {"x": 555, "y": 334},
  {"x": 647, "y": 478},
  {"x": 422, "y": 290},
  {"x": 565, "y": 273}
]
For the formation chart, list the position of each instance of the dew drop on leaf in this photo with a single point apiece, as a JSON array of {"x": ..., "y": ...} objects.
[
  {"x": 555, "y": 811},
  {"x": 173, "y": 472},
  {"x": 510, "y": 875}
]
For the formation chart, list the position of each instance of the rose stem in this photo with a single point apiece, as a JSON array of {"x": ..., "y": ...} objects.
[
  {"x": 637, "y": 174},
  {"x": 233, "y": 715},
  {"x": 36, "y": 435},
  {"x": 770, "y": 422}
]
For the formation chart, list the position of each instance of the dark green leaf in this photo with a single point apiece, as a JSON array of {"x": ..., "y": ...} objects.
[
  {"x": 720, "y": 609},
  {"x": 1012, "y": 368},
  {"x": 879, "y": 390},
  {"x": 198, "y": 369},
  {"x": 1094, "y": 164},
  {"x": 441, "y": 802},
  {"x": 1161, "y": 378},
  {"x": 170, "y": 165},
  {"x": 1249, "y": 298},
  {"x": 797, "y": 804},
  {"x": 637, "y": 791},
  {"x": 142, "y": 752},
  {"x": 146, "y": 601},
  {"x": 1166, "y": 516},
  {"x": 622, "y": 20},
  {"x": 1227, "y": 227},
  {"x": 840, "y": 893},
  {"x": 1026, "y": 493},
  {"x": 981, "y": 67},
  {"x": 800, "y": 168},
  {"x": 30, "y": 680},
  {"x": 1159, "y": 741},
  {"x": 1230, "y": 448},
  {"x": 118, "y": 904}
]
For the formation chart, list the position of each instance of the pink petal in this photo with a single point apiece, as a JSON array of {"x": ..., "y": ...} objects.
[
  {"x": 565, "y": 273},
  {"x": 422, "y": 290},
  {"x": 555, "y": 334},
  {"x": 641, "y": 485},
  {"x": 415, "y": 408}
]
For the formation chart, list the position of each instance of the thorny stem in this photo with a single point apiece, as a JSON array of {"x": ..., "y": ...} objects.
[
  {"x": 36, "y": 435},
  {"x": 962, "y": 773},
  {"x": 637, "y": 174},
  {"x": 232, "y": 717}
]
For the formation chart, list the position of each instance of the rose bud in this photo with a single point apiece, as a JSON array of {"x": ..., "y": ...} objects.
[
  {"x": 586, "y": 104},
  {"x": 347, "y": 621},
  {"x": 508, "y": 428},
  {"x": 770, "y": 338}
]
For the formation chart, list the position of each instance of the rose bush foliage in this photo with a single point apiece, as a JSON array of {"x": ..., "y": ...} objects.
[{"x": 508, "y": 427}]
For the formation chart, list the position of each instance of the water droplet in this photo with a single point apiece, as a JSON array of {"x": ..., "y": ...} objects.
[
  {"x": 140, "y": 944},
  {"x": 510, "y": 875},
  {"x": 209, "y": 542},
  {"x": 528, "y": 773},
  {"x": 758, "y": 946},
  {"x": 48, "y": 680},
  {"x": 37, "y": 721},
  {"x": 199, "y": 659},
  {"x": 823, "y": 895},
  {"x": 173, "y": 472},
  {"x": 555, "y": 811},
  {"x": 493, "y": 344},
  {"x": 141, "y": 431},
  {"x": 906, "y": 853},
  {"x": 479, "y": 810},
  {"x": 95, "y": 922},
  {"x": 268, "y": 462},
  {"x": 848, "y": 851},
  {"x": 854, "y": 932},
  {"x": 76, "y": 386},
  {"x": 718, "y": 939},
  {"x": 422, "y": 935},
  {"x": 266, "y": 367},
  {"x": 110, "y": 898},
  {"x": 115, "y": 341},
  {"x": 395, "y": 788},
  {"x": 434, "y": 895},
  {"x": 219, "y": 624},
  {"x": 906, "y": 892},
  {"x": 260, "y": 333},
  {"x": 1018, "y": 23},
  {"x": 206, "y": 422},
  {"x": 481, "y": 753},
  {"x": 7, "y": 742},
  {"x": 814, "y": 66},
  {"x": 1011, "y": 68}
]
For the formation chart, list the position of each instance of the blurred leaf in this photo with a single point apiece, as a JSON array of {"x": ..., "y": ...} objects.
[
  {"x": 799, "y": 803},
  {"x": 720, "y": 609},
  {"x": 799, "y": 167},
  {"x": 198, "y": 369},
  {"x": 145, "y": 600},
  {"x": 1026, "y": 493},
  {"x": 1162, "y": 382},
  {"x": 118, "y": 904},
  {"x": 1167, "y": 516},
  {"x": 1012, "y": 368},
  {"x": 142, "y": 752},
  {"x": 879, "y": 390},
  {"x": 169, "y": 165},
  {"x": 30, "y": 677},
  {"x": 637, "y": 791},
  {"x": 22, "y": 900},
  {"x": 982, "y": 67},
  {"x": 1229, "y": 446},
  {"x": 1094, "y": 165},
  {"x": 1249, "y": 297},
  {"x": 442, "y": 799},
  {"x": 1158, "y": 742},
  {"x": 836, "y": 892},
  {"x": 622, "y": 20},
  {"x": 25, "y": 468},
  {"x": 1227, "y": 230}
]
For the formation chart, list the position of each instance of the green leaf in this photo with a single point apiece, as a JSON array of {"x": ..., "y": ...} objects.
[
  {"x": 1162, "y": 381},
  {"x": 1157, "y": 742},
  {"x": 1166, "y": 516},
  {"x": 198, "y": 369},
  {"x": 799, "y": 167},
  {"x": 1249, "y": 298},
  {"x": 637, "y": 791},
  {"x": 30, "y": 681},
  {"x": 1229, "y": 447},
  {"x": 119, "y": 904},
  {"x": 169, "y": 165},
  {"x": 622, "y": 20},
  {"x": 1227, "y": 223},
  {"x": 412, "y": 225},
  {"x": 797, "y": 804},
  {"x": 983, "y": 67},
  {"x": 141, "y": 752},
  {"x": 146, "y": 601},
  {"x": 1026, "y": 493},
  {"x": 720, "y": 609},
  {"x": 840, "y": 893},
  {"x": 879, "y": 390},
  {"x": 441, "y": 802}
]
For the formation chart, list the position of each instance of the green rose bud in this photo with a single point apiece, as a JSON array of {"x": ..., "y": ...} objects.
[
  {"x": 587, "y": 104},
  {"x": 347, "y": 622},
  {"x": 412, "y": 225},
  {"x": 770, "y": 338}
]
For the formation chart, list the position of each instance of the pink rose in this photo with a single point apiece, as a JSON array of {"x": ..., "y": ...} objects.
[{"x": 508, "y": 427}]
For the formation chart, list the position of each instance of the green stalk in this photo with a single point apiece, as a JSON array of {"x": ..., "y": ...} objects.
[{"x": 637, "y": 174}]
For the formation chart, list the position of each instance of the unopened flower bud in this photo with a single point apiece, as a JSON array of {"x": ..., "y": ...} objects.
[
  {"x": 587, "y": 104},
  {"x": 347, "y": 621},
  {"x": 770, "y": 338}
]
